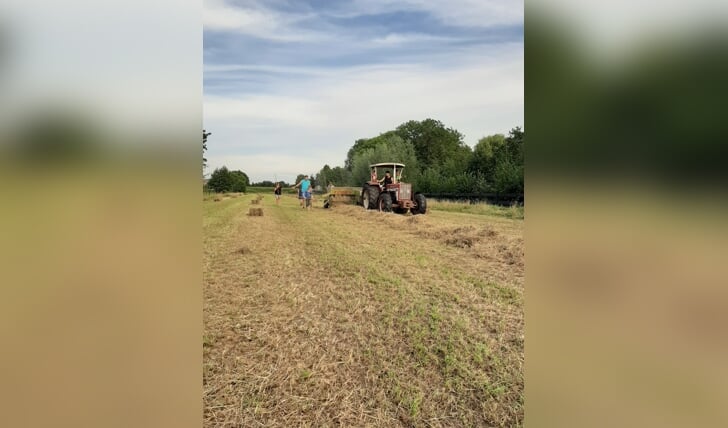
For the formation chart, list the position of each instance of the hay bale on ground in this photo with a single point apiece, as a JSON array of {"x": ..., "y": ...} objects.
[
  {"x": 255, "y": 212},
  {"x": 255, "y": 201}
]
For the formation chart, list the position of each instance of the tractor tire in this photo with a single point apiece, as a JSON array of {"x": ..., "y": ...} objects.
[
  {"x": 385, "y": 202},
  {"x": 421, "y": 202},
  {"x": 369, "y": 197}
]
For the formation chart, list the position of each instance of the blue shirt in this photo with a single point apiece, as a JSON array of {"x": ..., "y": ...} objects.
[{"x": 305, "y": 184}]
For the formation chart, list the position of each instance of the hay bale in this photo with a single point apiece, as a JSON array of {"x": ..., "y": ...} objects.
[
  {"x": 255, "y": 212},
  {"x": 217, "y": 199},
  {"x": 255, "y": 201}
]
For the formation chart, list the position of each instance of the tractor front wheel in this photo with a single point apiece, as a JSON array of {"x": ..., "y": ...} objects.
[{"x": 421, "y": 204}]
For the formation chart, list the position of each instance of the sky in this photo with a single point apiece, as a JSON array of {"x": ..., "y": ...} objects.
[{"x": 290, "y": 85}]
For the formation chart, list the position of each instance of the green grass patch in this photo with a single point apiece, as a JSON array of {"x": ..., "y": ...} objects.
[{"x": 480, "y": 208}]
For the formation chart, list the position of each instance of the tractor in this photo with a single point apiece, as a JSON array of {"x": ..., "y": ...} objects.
[{"x": 389, "y": 193}]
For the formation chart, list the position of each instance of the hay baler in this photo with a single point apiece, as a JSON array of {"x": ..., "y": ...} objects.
[{"x": 341, "y": 196}]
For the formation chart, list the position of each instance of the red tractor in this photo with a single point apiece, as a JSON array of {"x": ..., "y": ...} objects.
[{"x": 388, "y": 193}]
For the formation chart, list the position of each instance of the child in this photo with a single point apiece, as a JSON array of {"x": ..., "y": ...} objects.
[
  {"x": 308, "y": 195},
  {"x": 277, "y": 192}
]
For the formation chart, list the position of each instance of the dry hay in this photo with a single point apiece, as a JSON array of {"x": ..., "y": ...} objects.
[
  {"x": 482, "y": 241},
  {"x": 255, "y": 212},
  {"x": 242, "y": 250},
  {"x": 337, "y": 344},
  {"x": 217, "y": 199},
  {"x": 255, "y": 201}
]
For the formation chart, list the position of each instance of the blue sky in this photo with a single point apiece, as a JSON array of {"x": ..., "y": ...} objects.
[{"x": 290, "y": 85}]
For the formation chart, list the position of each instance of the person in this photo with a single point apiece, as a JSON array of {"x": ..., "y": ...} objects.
[
  {"x": 387, "y": 179},
  {"x": 302, "y": 186},
  {"x": 277, "y": 192}
]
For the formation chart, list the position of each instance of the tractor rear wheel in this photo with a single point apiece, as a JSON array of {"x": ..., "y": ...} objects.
[
  {"x": 385, "y": 202},
  {"x": 369, "y": 197},
  {"x": 421, "y": 206}
]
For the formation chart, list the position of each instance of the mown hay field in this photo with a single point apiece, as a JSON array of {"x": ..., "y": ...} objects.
[{"x": 346, "y": 317}]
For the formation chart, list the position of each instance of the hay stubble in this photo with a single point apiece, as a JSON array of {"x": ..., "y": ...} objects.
[{"x": 354, "y": 318}]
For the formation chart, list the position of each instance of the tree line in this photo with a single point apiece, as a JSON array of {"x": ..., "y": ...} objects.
[{"x": 437, "y": 160}]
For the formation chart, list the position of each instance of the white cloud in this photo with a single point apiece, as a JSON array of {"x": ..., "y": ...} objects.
[
  {"x": 272, "y": 166},
  {"x": 318, "y": 117},
  {"x": 272, "y": 110}
]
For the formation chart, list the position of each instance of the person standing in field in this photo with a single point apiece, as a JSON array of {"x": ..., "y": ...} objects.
[
  {"x": 277, "y": 192},
  {"x": 303, "y": 186}
]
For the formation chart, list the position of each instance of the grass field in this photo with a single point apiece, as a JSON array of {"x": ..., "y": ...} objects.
[{"x": 344, "y": 317}]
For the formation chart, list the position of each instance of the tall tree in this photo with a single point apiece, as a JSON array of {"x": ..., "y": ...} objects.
[
  {"x": 391, "y": 148},
  {"x": 204, "y": 147},
  {"x": 364, "y": 144},
  {"x": 240, "y": 181},
  {"x": 433, "y": 142},
  {"x": 509, "y": 159},
  {"x": 341, "y": 176},
  {"x": 483, "y": 160},
  {"x": 220, "y": 180}
]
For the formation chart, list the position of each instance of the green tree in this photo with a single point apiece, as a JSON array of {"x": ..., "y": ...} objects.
[
  {"x": 240, "y": 181},
  {"x": 324, "y": 176},
  {"x": 483, "y": 160},
  {"x": 391, "y": 148},
  {"x": 221, "y": 180},
  {"x": 509, "y": 163},
  {"x": 341, "y": 177},
  {"x": 364, "y": 144},
  {"x": 433, "y": 142}
]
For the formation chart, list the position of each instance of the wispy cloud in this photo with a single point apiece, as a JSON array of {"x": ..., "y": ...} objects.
[
  {"x": 258, "y": 22},
  {"x": 469, "y": 13}
]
